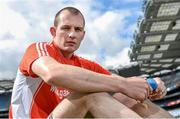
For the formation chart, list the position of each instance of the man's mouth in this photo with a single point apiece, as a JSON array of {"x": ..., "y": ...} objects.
[{"x": 70, "y": 43}]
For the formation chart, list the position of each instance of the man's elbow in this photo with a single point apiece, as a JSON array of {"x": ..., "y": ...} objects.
[{"x": 49, "y": 77}]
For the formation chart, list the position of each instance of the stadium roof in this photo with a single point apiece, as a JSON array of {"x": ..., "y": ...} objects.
[{"x": 156, "y": 45}]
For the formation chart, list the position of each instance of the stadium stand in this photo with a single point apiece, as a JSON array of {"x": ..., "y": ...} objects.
[
  {"x": 156, "y": 45},
  {"x": 5, "y": 97},
  {"x": 156, "y": 48}
]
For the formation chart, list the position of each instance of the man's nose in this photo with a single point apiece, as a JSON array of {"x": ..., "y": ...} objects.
[{"x": 72, "y": 34}]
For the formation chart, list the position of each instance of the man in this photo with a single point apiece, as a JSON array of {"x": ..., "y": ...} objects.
[{"x": 54, "y": 82}]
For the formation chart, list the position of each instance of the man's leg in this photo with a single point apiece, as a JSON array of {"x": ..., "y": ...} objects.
[
  {"x": 99, "y": 104},
  {"x": 150, "y": 110},
  {"x": 146, "y": 109},
  {"x": 104, "y": 105},
  {"x": 74, "y": 106}
]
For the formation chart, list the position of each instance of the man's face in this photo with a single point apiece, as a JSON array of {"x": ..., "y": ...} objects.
[{"x": 69, "y": 32}]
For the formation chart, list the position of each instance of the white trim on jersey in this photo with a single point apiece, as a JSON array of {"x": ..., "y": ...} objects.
[
  {"x": 45, "y": 48},
  {"x": 37, "y": 47},
  {"x": 23, "y": 92},
  {"x": 42, "y": 49}
]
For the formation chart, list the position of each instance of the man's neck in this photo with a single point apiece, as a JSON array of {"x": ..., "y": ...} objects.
[{"x": 66, "y": 55}]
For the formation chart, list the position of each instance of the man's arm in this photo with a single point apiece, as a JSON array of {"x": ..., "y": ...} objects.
[
  {"x": 74, "y": 78},
  {"x": 85, "y": 81}
]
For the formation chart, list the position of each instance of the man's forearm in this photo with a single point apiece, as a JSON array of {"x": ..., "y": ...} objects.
[{"x": 82, "y": 80}]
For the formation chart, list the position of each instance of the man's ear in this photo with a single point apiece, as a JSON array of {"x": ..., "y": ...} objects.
[{"x": 53, "y": 31}]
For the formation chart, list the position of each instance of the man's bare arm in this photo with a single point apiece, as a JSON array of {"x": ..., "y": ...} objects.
[
  {"x": 74, "y": 78},
  {"x": 85, "y": 81}
]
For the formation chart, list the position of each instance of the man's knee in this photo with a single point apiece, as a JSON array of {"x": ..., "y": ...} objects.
[
  {"x": 76, "y": 97},
  {"x": 124, "y": 99},
  {"x": 72, "y": 106},
  {"x": 104, "y": 104},
  {"x": 87, "y": 98},
  {"x": 88, "y": 101},
  {"x": 96, "y": 97}
]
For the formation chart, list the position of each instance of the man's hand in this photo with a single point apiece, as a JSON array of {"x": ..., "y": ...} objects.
[
  {"x": 137, "y": 88},
  {"x": 160, "y": 92}
]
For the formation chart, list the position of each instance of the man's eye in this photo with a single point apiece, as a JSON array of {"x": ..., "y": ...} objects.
[
  {"x": 65, "y": 28},
  {"x": 78, "y": 29}
]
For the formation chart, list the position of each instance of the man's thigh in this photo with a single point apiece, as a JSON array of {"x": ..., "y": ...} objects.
[
  {"x": 71, "y": 107},
  {"x": 148, "y": 109},
  {"x": 103, "y": 105},
  {"x": 99, "y": 104}
]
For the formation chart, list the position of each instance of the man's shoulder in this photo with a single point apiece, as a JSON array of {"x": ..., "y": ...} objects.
[
  {"x": 88, "y": 62},
  {"x": 38, "y": 45},
  {"x": 92, "y": 65},
  {"x": 85, "y": 60}
]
